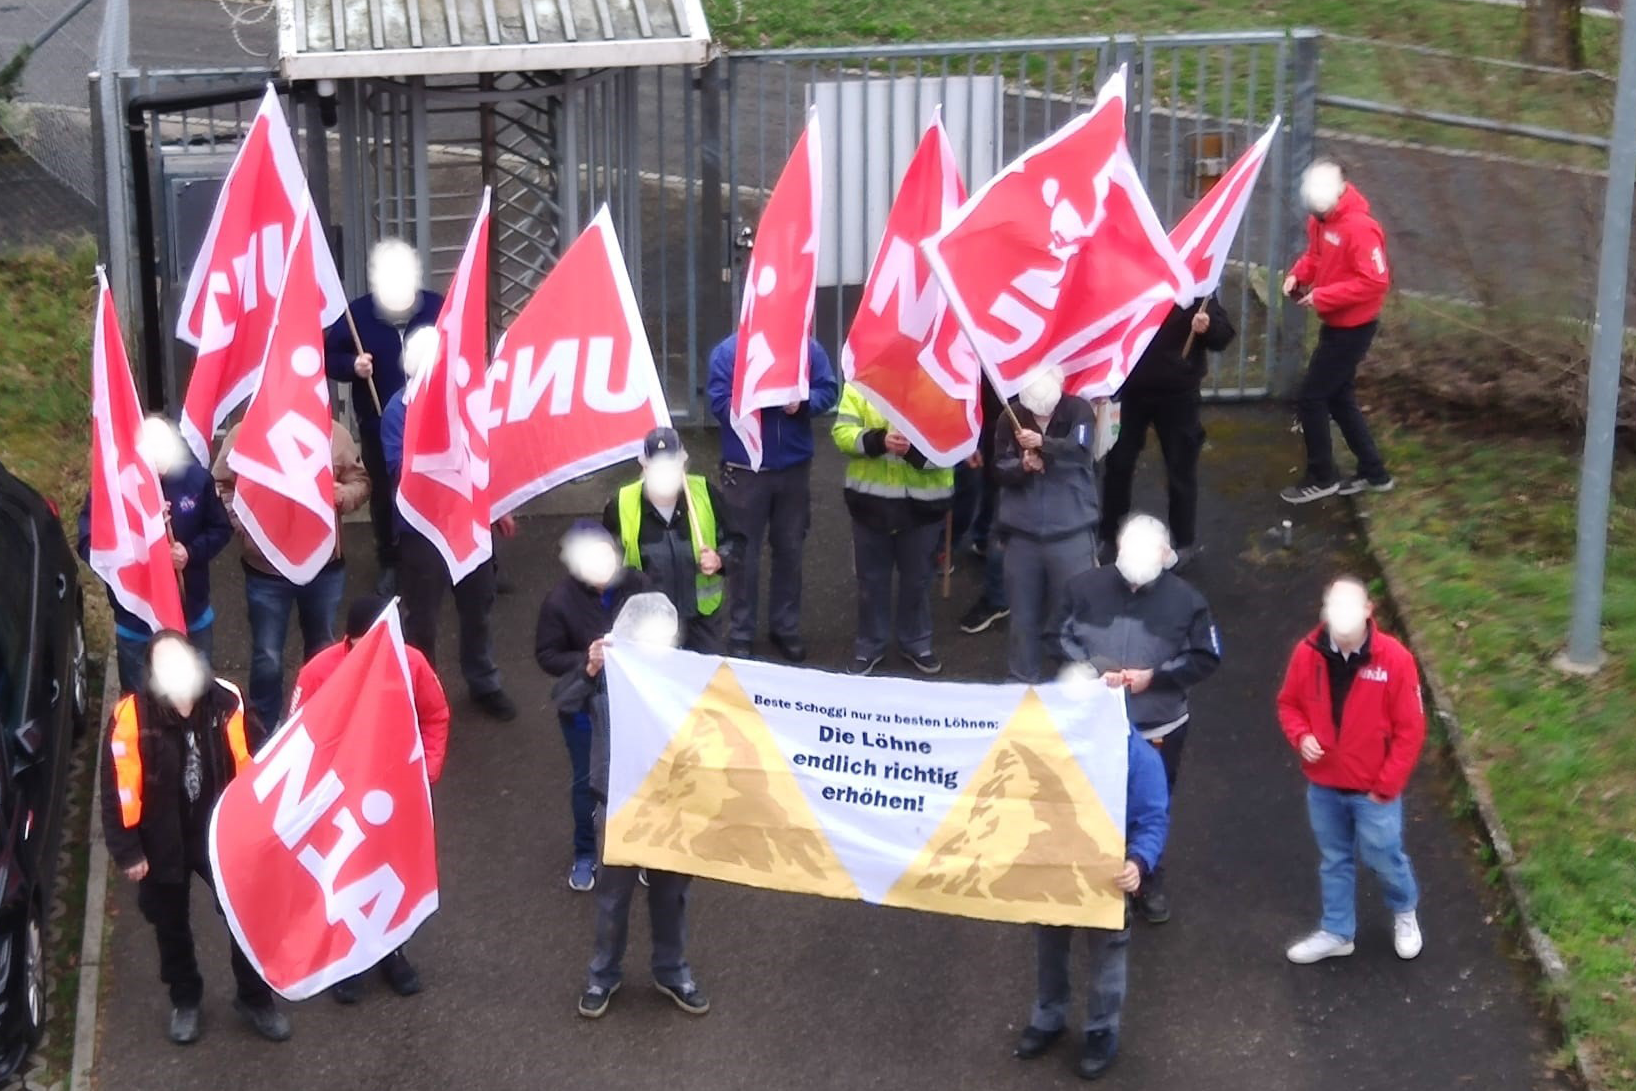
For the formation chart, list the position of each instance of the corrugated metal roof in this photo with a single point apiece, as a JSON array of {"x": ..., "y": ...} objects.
[{"x": 339, "y": 39}]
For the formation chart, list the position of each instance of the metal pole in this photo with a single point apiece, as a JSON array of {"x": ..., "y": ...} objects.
[
  {"x": 1584, "y": 654},
  {"x": 1298, "y": 150}
]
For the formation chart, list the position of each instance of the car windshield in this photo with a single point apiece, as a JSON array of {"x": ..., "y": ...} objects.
[{"x": 16, "y": 608}]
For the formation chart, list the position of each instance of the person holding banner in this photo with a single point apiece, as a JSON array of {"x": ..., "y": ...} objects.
[
  {"x": 395, "y": 307},
  {"x": 424, "y": 578},
  {"x": 1145, "y": 630},
  {"x": 574, "y": 618},
  {"x": 670, "y": 526},
  {"x": 199, "y": 529},
  {"x": 1164, "y": 392},
  {"x": 1046, "y": 468},
  {"x": 897, "y": 503},
  {"x": 170, "y": 752},
  {"x": 1147, "y": 824},
  {"x": 772, "y": 504},
  {"x": 432, "y": 719},
  {"x": 1350, "y": 707},
  {"x": 270, "y": 596}
]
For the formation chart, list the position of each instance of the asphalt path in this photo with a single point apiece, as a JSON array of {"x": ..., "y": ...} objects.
[{"x": 814, "y": 993}]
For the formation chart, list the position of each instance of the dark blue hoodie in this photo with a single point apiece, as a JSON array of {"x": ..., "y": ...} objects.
[
  {"x": 786, "y": 439},
  {"x": 198, "y": 521},
  {"x": 383, "y": 340}
]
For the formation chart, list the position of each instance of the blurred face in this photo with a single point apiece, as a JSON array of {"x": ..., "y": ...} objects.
[
  {"x": 394, "y": 278},
  {"x": 1321, "y": 187},
  {"x": 176, "y": 674},
  {"x": 1144, "y": 548},
  {"x": 160, "y": 445},
  {"x": 1043, "y": 392},
  {"x": 420, "y": 351},
  {"x": 663, "y": 476},
  {"x": 1346, "y": 612},
  {"x": 591, "y": 558}
]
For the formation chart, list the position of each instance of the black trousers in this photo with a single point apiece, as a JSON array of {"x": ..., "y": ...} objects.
[
  {"x": 1175, "y": 417},
  {"x": 1328, "y": 392},
  {"x": 166, "y": 907},
  {"x": 381, "y": 497},
  {"x": 772, "y": 507},
  {"x": 423, "y": 579}
]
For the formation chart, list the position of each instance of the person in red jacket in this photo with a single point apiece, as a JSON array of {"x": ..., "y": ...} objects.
[
  {"x": 1350, "y": 706},
  {"x": 432, "y": 712},
  {"x": 1344, "y": 277}
]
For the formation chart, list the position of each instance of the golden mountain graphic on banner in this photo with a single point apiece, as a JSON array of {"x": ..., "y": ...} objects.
[
  {"x": 722, "y": 802},
  {"x": 1017, "y": 841}
]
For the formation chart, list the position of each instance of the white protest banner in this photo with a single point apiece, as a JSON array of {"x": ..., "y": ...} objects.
[{"x": 1001, "y": 802}]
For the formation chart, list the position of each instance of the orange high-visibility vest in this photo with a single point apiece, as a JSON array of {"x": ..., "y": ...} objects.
[{"x": 126, "y": 750}]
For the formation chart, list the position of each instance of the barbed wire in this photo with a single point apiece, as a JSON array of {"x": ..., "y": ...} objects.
[{"x": 239, "y": 19}]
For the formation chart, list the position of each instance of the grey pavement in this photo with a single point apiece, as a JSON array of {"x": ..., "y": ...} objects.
[{"x": 813, "y": 993}]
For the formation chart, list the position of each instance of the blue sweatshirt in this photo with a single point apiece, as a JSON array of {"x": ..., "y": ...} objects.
[
  {"x": 383, "y": 340},
  {"x": 786, "y": 439},
  {"x": 1147, "y": 805},
  {"x": 394, "y": 412},
  {"x": 199, "y": 522}
]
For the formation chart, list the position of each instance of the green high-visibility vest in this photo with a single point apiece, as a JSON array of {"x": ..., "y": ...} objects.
[{"x": 708, "y": 589}]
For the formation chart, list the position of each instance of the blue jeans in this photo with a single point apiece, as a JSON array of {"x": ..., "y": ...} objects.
[
  {"x": 576, "y": 732},
  {"x": 132, "y": 655},
  {"x": 994, "y": 573},
  {"x": 1105, "y": 958},
  {"x": 268, "y": 601},
  {"x": 1348, "y": 827}
]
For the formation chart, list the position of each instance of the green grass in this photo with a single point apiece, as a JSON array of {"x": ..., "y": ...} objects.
[
  {"x": 1382, "y": 72},
  {"x": 46, "y": 302},
  {"x": 1480, "y": 537}
]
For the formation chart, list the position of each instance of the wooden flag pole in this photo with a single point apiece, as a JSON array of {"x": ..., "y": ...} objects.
[
  {"x": 948, "y": 550},
  {"x": 358, "y": 345},
  {"x": 692, "y": 517},
  {"x": 1187, "y": 349}
]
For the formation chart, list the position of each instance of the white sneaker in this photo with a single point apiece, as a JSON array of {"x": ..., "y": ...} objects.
[
  {"x": 1406, "y": 934},
  {"x": 1319, "y": 946}
]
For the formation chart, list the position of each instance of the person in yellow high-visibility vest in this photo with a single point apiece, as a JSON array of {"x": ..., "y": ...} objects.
[
  {"x": 674, "y": 529},
  {"x": 897, "y": 502}
]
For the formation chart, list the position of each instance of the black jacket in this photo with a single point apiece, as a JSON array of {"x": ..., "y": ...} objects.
[
  {"x": 572, "y": 618},
  {"x": 666, "y": 547},
  {"x": 1062, "y": 501},
  {"x": 1162, "y": 368},
  {"x": 383, "y": 340},
  {"x": 1164, "y": 627},
  {"x": 163, "y": 838}
]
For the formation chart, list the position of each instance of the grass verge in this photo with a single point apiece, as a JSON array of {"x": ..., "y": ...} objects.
[
  {"x": 46, "y": 301},
  {"x": 1479, "y": 539}
]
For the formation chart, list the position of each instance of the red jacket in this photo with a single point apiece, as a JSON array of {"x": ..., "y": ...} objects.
[
  {"x": 431, "y": 706},
  {"x": 1383, "y": 723},
  {"x": 1345, "y": 263}
]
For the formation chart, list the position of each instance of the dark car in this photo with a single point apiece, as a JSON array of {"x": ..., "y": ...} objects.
[{"x": 43, "y": 707}]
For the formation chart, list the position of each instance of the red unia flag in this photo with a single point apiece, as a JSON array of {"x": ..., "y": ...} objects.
[
  {"x": 130, "y": 549},
  {"x": 905, "y": 350},
  {"x": 323, "y": 849},
  {"x": 285, "y": 494},
  {"x": 1203, "y": 238},
  {"x": 574, "y": 387},
  {"x": 775, "y": 319},
  {"x": 1057, "y": 250},
  {"x": 227, "y": 310},
  {"x": 443, "y": 490}
]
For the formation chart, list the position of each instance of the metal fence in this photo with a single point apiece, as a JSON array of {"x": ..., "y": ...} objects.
[{"x": 686, "y": 158}]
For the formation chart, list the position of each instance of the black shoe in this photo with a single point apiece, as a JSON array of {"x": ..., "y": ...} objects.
[
  {"x": 184, "y": 1025},
  {"x": 1307, "y": 491},
  {"x": 925, "y": 662},
  {"x": 593, "y": 1002},
  {"x": 1034, "y": 1042},
  {"x": 348, "y": 990},
  {"x": 790, "y": 647},
  {"x": 266, "y": 1021},
  {"x": 689, "y": 997},
  {"x": 1358, "y": 483},
  {"x": 1154, "y": 906},
  {"x": 1097, "y": 1056},
  {"x": 496, "y": 705},
  {"x": 981, "y": 616},
  {"x": 979, "y": 550},
  {"x": 740, "y": 649},
  {"x": 400, "y": 974},
  {"x": 386, "y": 584},
  {"x": 863, "y": 664}
]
